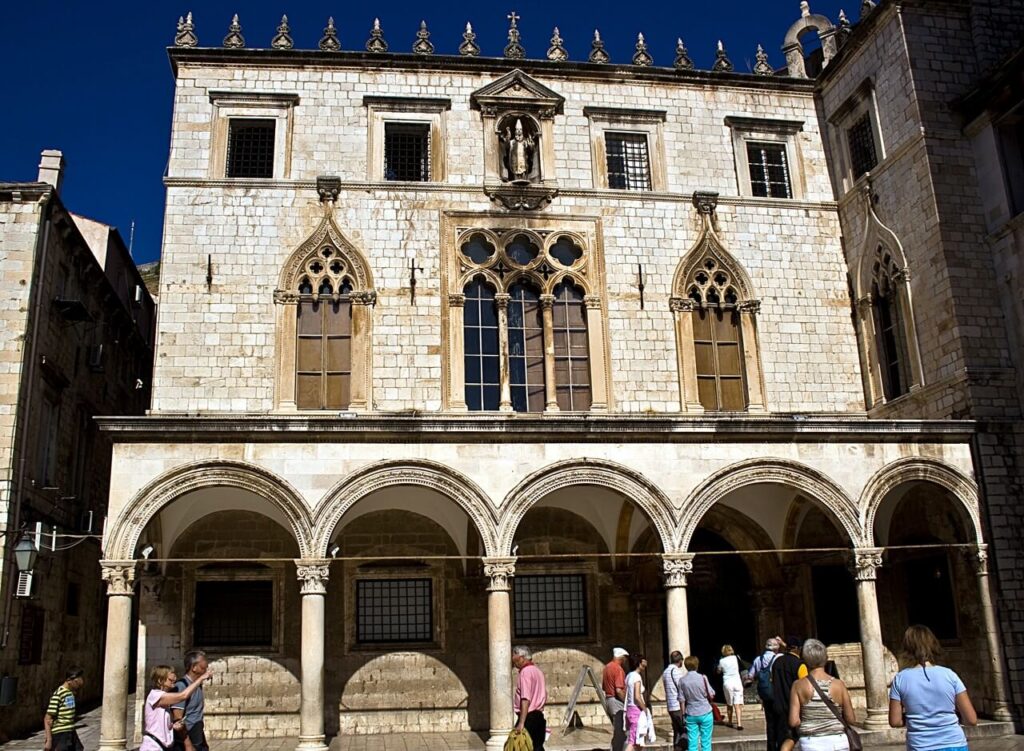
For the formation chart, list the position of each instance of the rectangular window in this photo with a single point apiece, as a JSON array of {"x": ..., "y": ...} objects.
[
  {"x": 526, "y": 349},
  {"x": 407, "y": 152},
  {"x": 324, "y": 357},
  {"x": 769, "y": 170},
  {"x": 716, "y": 339},
  {"x": 629, "y": 166},
  {"x": 49, "y": 432},
  {"x": 861, "y": 140},
  {"x": 482, "y": 359},
  {"x": 571, "y": 349},
  {"x": 394, "y": 610},
  {"x": 236, "y": 613},
  {"x": 550, "y": 605},
  {"x": 250, "y": 148},
  {"x": 30, "y": 643}
]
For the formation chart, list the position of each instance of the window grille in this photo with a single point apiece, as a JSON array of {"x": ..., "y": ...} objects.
[
  {"x": 550, "y": 605},
  {"x": 861, "y": 140},
  {"x": 482, "y": 359},
  {"x": 572, "y": 360},
  {"x": 769, "y": 170},
  {"x": 234, "y": 613},
  {"x": 394, "y": 610},
  {"x": 30, "y": 642},
  {"x": 250, "y": 148},
  {"x": 629, "y": 166},
  {"x": 407, "y": 152},
  {"x": 716, "y": 339},
  {"x": 526, "y": 349}
]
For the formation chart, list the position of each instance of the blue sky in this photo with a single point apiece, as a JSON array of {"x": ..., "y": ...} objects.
[{"x": 92, "y": 79}]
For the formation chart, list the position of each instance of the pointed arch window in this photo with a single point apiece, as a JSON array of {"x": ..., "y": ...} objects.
[
  {"x": 483, "y": 388},
  {"x": 889, "y": 324},
  {"x": 572, "y": 366},
  {"x": 526, "y": 348},
  {"x": 323, "y": 368}
]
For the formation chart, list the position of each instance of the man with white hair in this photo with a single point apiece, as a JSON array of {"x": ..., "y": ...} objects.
[
  {"x": 530, "y": 697},
  {"x": 672, "y": 679},
  {"x": 761, "y": 672},
  {"x": 613, "y": 682}
]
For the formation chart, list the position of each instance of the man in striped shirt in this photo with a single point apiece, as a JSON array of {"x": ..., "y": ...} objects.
[{"x": 59, "y": 720}]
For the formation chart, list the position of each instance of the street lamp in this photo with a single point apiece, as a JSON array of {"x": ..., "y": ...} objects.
[{"x": 25, "y": 553}]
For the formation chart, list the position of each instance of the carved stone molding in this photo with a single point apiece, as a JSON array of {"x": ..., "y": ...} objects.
[
  {"x": 328, "y": 186},
  {"x": 681, "y": 305},
  {"x": 866, "y": 562},
  {"x": 313, "y": 573},
  {"x": 521, "y": 198},
  {"x": 705, "y": 201},
  {"x": 499, "y": 571},
  {"x": 592, "y": 302},
  {"x": 749, "y": 306},
  {"x": 979, "y": 559},
  {"x": 457, "y": 300},
  {"x": 366, "y": 297},
  {"x": 119, "y": 576},
  {"x": 501, "y": 300},
  {"x": 676, "y": 567},
  {"x": 547, "y": 302}
]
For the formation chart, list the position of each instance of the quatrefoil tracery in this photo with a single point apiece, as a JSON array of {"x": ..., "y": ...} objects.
[
  {"x": 509, "y": 255},
  {"x": 325, "y": 274},
  {"x": 712, "y": 285}
]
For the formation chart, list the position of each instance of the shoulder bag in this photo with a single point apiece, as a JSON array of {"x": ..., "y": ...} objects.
[
  {"x": 714, "y": 707},
  {"x": 852, "y": 736}
]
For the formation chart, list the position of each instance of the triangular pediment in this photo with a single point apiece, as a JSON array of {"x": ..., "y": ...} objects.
[{"x": 517, "y": 89}]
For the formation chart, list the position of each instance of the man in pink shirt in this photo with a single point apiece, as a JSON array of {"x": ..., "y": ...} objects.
[{"x": 530, "y": 698}]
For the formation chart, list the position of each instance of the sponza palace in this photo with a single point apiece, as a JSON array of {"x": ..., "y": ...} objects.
[{"x": 457, "y": 349}]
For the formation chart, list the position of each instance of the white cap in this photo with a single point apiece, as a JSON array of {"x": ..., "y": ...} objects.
[{"x": 618, "y": 652}]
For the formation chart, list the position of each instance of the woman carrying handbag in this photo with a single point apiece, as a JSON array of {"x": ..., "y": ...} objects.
[{"x": 814, "y": 706}]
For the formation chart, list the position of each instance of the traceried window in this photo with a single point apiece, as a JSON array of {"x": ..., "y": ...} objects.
[
  {"x": 629, "y": 164},
  {"x": 394, "y": 610},
  {"x": 890, "y": 345},
  {"x": 250, "y": 147},
  {"x": 769, "y": 170},
  {"x": 526, "y": 349},
  {"x": 407, "y": 151},
  {"x": 483, "y": 388},
  {"x": 861, "y": 140},
  {"x": 550, "y": 605},
  {"x": 717, "y": 340},
  {"x": 572, "y": 361}
]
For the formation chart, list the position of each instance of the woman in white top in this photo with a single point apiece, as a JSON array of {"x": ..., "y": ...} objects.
[
  {"x": 732, "y": 683},
  {"x": 636, "y": 704},
  {"x": 158, "y": 727}
]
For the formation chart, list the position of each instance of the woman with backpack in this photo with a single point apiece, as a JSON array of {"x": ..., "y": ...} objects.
[{"x": 761, "y": 674}]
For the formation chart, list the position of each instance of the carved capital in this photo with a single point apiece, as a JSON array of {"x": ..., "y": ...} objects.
[
  {"x": 901, "y": 276},
  {"x": 547, "y": 302},
  {"x": 676, "y": 567},
  {"x": 119, "y": 576},
  {"x": 705, "y": 201},
  {"x": 366, "y": 297},
  {"x": 592, "y": 302},
  {"x": 313, "y": 573},
  {"x": 456, "y": 300},
  {"x": 501, "y": 300},
  {"x": 866, "y": 562},
  {"x": 681, "y": 304},
  {"x": 865, "y": 303},
  {"x": 978, "y": 557},
  {"x": 328, "y": 187},
  {"x": 499, "y": 571},
  {"x": 285, "y": 297},
  {"x": 749, "y": 306}
]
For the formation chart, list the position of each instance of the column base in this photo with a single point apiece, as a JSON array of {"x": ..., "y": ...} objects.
[
  {"x": 314, "y": 743},
  {"x": 1002, "y": 713},
  {"x": 120, "y": 744},
  {"x": 876, "y": 719},
  {"x": 497, "y": 740}
]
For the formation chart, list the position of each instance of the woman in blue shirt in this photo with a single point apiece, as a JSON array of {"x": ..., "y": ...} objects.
[{"x": 927, "y": 697}]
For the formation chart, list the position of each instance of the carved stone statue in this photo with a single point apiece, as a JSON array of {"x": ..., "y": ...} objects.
[{"x": 519, "y": 151}]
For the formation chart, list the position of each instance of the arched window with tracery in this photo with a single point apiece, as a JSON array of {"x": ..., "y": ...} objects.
[
  {"x": 527, "y": 321},
  {"x": 324, "y": 325},
  {"x": 893, "y": 369}
]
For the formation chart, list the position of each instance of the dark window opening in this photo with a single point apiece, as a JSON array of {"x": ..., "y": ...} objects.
[
  {"x": 234, "y": 614},
  {"x": 482, "y": 359},
  {"x": 889, "y": 345},
  {"x": 72, "y": 599},
  {"x": 861, "y": 139},
  {"x": 769, "y": 170},
  {"x": 550, "y": 605},
  {"x": 30, "y": 642},
  {"x": 629, "y": 166},
  {"x": 930, "y": 598},
  {"x": 250, "y": 148},
  {"x": 394, "y": 610},
  {"x": 835, "y": 605},
  {"x": 407, "y": 152}
]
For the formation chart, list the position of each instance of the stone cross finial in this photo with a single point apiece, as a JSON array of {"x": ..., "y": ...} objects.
[
  {"x": 514, "y": 50},
  {"x": 557, "y": 51},
  {"x": 642, "y": 56},
  {"x": 376, "y": 43},
  {"x": 762, "y": 67},
  {"x": 186, "y": 36},
  {"x": 329, "y": 41},
  {"x": 866, "y": 7},
  {"x": 598, "y": 54},
  {"x": 283, "y": 39},
  {"x": 845, "y": 28},
  {"x": 722, "y": 62},
  {"x": 469, "y": 47},
  {"x": 423, "y": 45},
  {"x": 805, "y": 9},
  {"x": 234, "y": 40},
  {"x": 682, "y": 61}
]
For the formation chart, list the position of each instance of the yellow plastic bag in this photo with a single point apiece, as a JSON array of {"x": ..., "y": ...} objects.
[{"x": 518, "y": 742}]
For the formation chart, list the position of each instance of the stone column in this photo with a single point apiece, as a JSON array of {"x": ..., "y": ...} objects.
[
  {"x": 867, "y": 561},
  {"x": 1000, "y": 706},
  {"x": 767, "y": 602},
  {"x": 748, "y": 311},
  {"x": 361, "y": 381},
  {"x": 686, "y": 362},
  {"x": 595, "y": 348},
  {"x": 676, "y": 567},
  {"x": 313, "y": 576},
  {"x": 501, "y": 301},
  {"x": 547, "y": 304},
  {"x": 120, "y": 579},
  {"x": 457, "y": 346},
  {"x": 499, "y": 642}
]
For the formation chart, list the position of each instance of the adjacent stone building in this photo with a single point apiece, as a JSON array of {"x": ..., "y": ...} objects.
[
  {"x": 76, "y": 341},
  {"x": 576, "y": 354}
]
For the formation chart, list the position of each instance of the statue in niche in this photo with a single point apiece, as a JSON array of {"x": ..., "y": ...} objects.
[{"x": 520, "y": 151}]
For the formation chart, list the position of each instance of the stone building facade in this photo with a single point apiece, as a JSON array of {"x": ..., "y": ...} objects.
[
  {"x": 561, "y": 353},
  {"x": 76, "y": 338}
]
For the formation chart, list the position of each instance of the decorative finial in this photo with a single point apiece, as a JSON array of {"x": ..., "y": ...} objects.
[
  {"x": 866, "y": 7},
  {"x": 376, "y": 43},
  {"x": 283, "y": 39},
  {"x": 423, "y": 45},
  {"x": 329, "y": 41},
  {"x": 642, "y": 56},
  {"x": 234, "y": 40},
  {"x": 557, "y": 51},
  {"x": 805, "y": 9},
  {"x": 186, "y": 36},
  {"x": 722, "y": 63},
  {"x": 469, "y": 47},
  {"x": 514, "y": 49},
  {"x": 597, "y": 51},
  {"x": 845, "y": 28},
  {"x": 682, "y": 61},
  {"x": 762, "y": 67}
]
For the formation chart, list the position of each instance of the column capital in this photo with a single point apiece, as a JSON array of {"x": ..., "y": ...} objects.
[
  {"x": 119, "y": 576},
  {"x": 681, "y": 304},
  {"x": 499, "y": 571},
  {"x": 313, "y": 573},
  {"x": 978, "y": 557},
  {"x": 502, "y": 299},
  {"x": 866, "y": 562},
  {"x": 749, "y": 306},
  {"x": 547, "y": 302},
  {"x": 864, "y": 303},
  {"x": 456, "y": 300},
  {"x": 365, "y": 297},
  {"x": 592, "y": 302},
  {"x": 676, "y": 567}
]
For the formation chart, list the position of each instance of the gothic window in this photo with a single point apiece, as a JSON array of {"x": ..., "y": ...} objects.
[
  {"x": 769, "y": 170},
  {"x": 407, "y": 152},
  {"x": 861, "y": 140},
  {"x": 716, "y": 339},
  {"x": 526, "y": 348},
  {"x": 250, "y": 147},
  {"x": 890, "y": 345},
  {"x": 324, "y": 333},
  {"x": 629, "y": 165},
  {"x": 572, "y": 367},
  {"x": 481, "y": 341}
]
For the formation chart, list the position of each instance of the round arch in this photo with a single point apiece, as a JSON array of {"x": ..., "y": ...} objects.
[
  {"x": 184, "y": 479},
  {"x": 808, "y": 481},
  {"x": 575, "y": 472},
  {"x": 918, "y": 469},
  {"x": 420, "y": 473}
]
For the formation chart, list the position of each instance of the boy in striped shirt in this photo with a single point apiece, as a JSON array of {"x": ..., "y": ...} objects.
[{"x": 59, "y": 720}]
